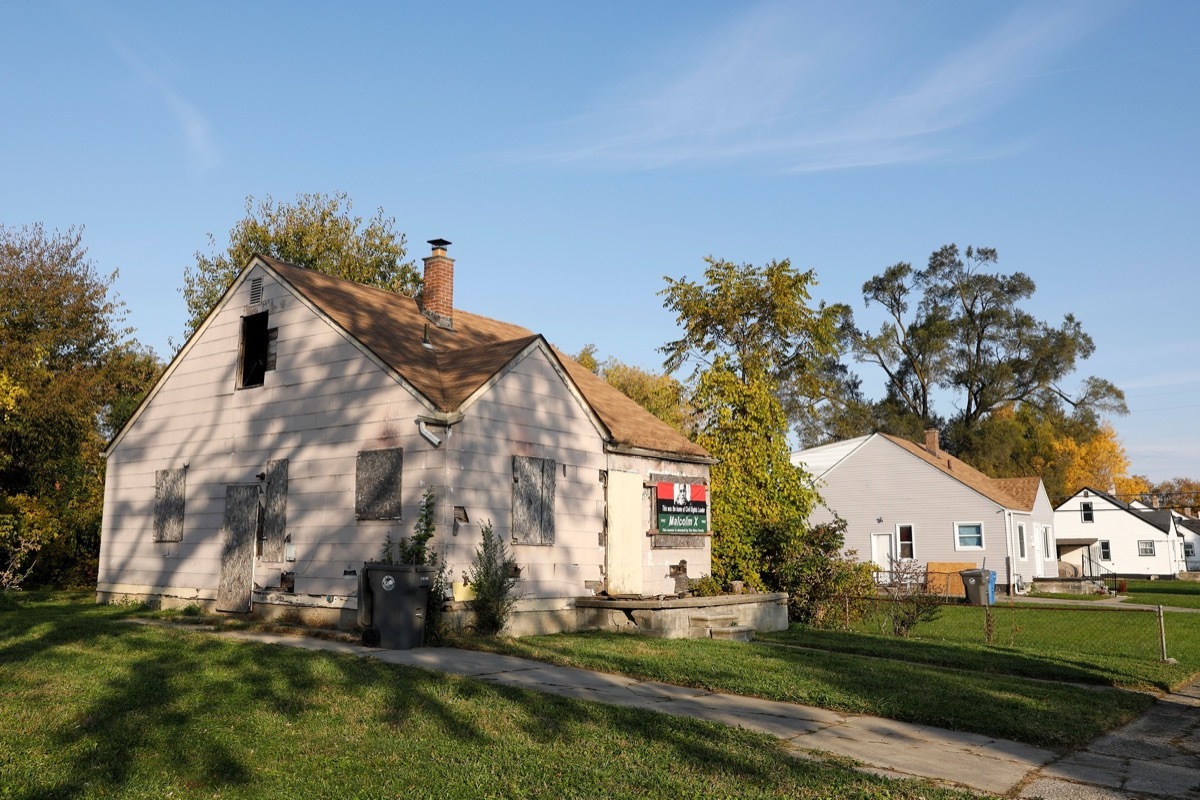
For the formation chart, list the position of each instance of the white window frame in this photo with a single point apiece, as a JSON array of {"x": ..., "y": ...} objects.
[
  {"x": 1189, "y": 549},
  {"x": 1105, "y": 548},
  {"x": 900, "y": 542},
  {"x": 1087, "y": 512},
  {"x": 1046, "y": 541},
  {"x": 958, "y": 545},
  {"x": 1142, "y": 551},
  {"x": 1022, "y": 545}
]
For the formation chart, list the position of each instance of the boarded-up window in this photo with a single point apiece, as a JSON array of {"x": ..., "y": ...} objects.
[
  {"x": 533, "y": 500},
  {"x": 377, "y": 484},
  {"x": 168, "y": 505},
  {"x": 275, "y": 510}
]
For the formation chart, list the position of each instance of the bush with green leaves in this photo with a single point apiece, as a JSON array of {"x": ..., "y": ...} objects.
[
  {"x": 817, "y": 575},
  {"x": 493, "y": 576}
]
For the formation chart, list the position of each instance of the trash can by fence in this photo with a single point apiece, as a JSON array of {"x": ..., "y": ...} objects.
[
  {"x": 980, "y": 586},
  {"x": 392, "y": 603}
]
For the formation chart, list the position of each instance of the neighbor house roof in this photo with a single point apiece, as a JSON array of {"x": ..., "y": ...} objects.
[
  {"x": 458, "y": 362},
  {"x": 1017, "y": 494},
  {"x": 1160, "y": 519}
]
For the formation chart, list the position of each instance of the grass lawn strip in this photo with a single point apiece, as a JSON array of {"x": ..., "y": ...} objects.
[
  {"x": 1176, "y": 594},
  {"x": 1045, "y": 714},
  {"x": 93, "y": 707}
]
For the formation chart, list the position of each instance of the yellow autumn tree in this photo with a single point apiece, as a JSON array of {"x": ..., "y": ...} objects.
[{"x": 1099, "y": 462}]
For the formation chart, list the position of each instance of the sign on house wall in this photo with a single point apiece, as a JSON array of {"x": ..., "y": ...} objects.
[{"x": 682, "y": 508}]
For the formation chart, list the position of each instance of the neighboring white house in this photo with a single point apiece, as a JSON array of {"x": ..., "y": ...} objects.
[
  {"x": 299, "y": 427},
  {"x": 1122, "y": 538},
  {"x": 1189, "y": 531},
  {"x": 904, "y": 501}
]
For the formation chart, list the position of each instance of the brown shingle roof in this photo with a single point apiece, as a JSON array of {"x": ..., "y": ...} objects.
[
  {"x": 1013, "y": 493},
  {"x": 460, "y": 361}
]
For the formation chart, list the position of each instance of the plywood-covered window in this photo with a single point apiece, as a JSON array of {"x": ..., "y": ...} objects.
[
  {"x": 533, "y": 500},
  {"x": 377, "y": 484},
  {"x": 169, "y": 495},
  {"x": 256, "y": 356}
]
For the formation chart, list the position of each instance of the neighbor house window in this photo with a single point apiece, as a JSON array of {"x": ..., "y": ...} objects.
[
  {"x": 969, "y": 536},
  {"x": 1145, "y": 547},
  {"x": 1189, "y": 549},
  {"x": 1105, "y": 551},
  {"x": 257, "y": 355},
  {"x": 533, "y": 500},
  {"x": 1088, "y": 514},
  {"x": 1021, "y": 541},
  {"x": 168, "y": 505},
  {"x": 377, "y": 484},
  {"x": 906, "y": 540}
]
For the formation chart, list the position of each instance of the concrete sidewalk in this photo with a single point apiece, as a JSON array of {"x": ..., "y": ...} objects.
[{"x": 1153, "y": 757}]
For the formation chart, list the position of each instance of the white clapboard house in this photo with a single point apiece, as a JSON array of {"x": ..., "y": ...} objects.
[{"x": 299, "y": 427}]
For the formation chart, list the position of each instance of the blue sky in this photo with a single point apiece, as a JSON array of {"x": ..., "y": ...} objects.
[{"x": 575, "y": 154}]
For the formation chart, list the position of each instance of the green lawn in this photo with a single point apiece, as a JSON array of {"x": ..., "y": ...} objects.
[
  {"x": 1038, "y": 712},
  {"x": 92, "y": 706},
  {"x": 1180, "y": 594}
]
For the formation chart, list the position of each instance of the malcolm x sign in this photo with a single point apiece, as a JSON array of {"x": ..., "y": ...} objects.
[{"x": 682, "y": 508}]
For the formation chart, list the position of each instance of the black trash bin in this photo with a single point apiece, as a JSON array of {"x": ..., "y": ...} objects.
[
  {"x": 976, "y": 583},
  {"x": 392, "y": 603}
]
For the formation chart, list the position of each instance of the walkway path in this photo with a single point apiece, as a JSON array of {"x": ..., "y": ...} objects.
[{"x": 1153, "y": 757}]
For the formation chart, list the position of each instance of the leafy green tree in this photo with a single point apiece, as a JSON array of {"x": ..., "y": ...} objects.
[
  {"x": 69, "y": 375},
  {"x": 744, "y": 329},
  {"x": 317, "y": 231}
]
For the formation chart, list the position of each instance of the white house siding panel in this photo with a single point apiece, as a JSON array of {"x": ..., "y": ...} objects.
[
  {"x": 323, "y": 403},
  {"x": 1123, "y": 530},
  {"x": 881, "y": 480},
  {"x": 528, "y": 412}
]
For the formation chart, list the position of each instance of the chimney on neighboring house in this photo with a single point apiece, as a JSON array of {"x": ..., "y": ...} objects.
[
  {"x": 931, "y": 442},
  {"x": 437, "y": 296}
]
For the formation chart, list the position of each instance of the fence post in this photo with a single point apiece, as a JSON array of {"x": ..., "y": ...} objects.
[
  {"x": 847, "y": 598},
  {"x": 987, "y": 624},
  {"x": 1162, "y": 636}
]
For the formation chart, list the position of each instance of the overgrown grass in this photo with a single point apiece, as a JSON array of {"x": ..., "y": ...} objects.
[
  {"x": 1047, "y": 714},
  {"x": 1177, "y": 594},
  {"x": 92, "y": 706}
]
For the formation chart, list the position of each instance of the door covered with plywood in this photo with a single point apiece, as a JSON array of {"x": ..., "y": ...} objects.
[
  {"x": 626, "y": 533},
  {"x": 243, "y": 516}
]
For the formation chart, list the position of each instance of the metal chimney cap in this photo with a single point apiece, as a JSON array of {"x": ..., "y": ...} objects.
[{"x": 439, "y": 244}]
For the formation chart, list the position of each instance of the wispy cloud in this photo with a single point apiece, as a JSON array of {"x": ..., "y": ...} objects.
[
  {"x": 783, "y": 89},
  {"x": 193, "y": 125}
]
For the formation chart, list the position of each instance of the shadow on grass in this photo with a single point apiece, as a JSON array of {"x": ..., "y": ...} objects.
[
  {"x": 1010, "y": 707},
  {"x": 97, "y": 706}
]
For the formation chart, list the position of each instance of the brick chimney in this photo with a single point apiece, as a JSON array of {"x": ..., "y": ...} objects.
[
  {"x": 931, "y": 442},
  {"x": 437, "y": 297}
]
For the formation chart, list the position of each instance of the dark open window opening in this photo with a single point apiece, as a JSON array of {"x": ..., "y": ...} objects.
[
  {"x": 906, "y": 541},
  {"x": 257, "y": 355},
  {"x": 1088, "y": 514}
]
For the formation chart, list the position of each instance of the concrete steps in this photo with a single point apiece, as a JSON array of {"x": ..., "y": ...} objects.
[{"x": 720, "y": 626}]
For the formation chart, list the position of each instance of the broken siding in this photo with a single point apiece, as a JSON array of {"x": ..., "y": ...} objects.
[
  {"x": 324, "y": 402},
  {"x": 882, "y": 480}
]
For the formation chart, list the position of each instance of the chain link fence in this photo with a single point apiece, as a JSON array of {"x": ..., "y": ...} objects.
[{"x": 935, "y": 610}]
